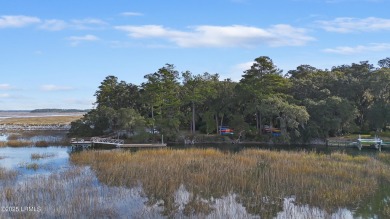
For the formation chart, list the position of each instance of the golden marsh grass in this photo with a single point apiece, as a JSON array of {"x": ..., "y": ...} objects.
[
  {"x": 13, "y": 136},
  {"x": 41, "y": 144},
  {"x": 260, "y": 178},
  {"x": 32, "y": 166},
  {"x": 37, "y": 156},
  {"x": 46, "y": 120},
  {"x": 37, "y": 138},
  {"x": 19, "y": 143},
  {"x": 26, "y": 143}
]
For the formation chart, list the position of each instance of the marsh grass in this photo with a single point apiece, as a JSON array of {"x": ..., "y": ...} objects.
[
  {"x": 384, "y": 158},
  {"x": 46, "y": 120},
  {"x": 30, "y": 166},
  {"x": 73, "y": 193},
  {"x": 37, "y": 138},
  {"x": 27, "y": 143},
  {"x": 33, "y": 166},
  {"x": 6, "y": 175},
  {"x": 19, "y": 143},
  {"x": 13, "y": 136},
  {"x": 261, "y": 179},
  {"x": 41, "y": 144},
  {"x": 37, "y": 156},
  {"x": 34, "y": 133}
]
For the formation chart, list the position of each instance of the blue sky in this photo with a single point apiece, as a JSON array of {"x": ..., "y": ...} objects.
[{"x": 54, "y": 54}]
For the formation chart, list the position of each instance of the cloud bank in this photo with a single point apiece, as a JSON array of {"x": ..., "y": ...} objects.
[
  {"x": 51, "y": 87},
  {"x": 5, "y": 87},
  {"x": 348, "y": 24},
  {"x": 346, "y": 50},
  {"x": 15, "y": 21},
  {"x": 223, "y": 36},
  {"x": 76, "y": 40}
]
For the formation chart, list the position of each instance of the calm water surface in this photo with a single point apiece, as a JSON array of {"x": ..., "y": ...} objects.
[{"x": 18, "y": 158}]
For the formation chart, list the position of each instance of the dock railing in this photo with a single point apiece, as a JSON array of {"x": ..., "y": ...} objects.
[
  {"x": 340, "y": 143},
  {"x": 107, "y": 141}
]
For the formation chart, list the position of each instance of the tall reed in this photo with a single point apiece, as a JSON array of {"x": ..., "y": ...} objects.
[
  {"x": 7, "y": 175},
  {"x": 69, "y": 194},
  {"x": 261, "y": 179},
  {"x": 19, "y": 143}
]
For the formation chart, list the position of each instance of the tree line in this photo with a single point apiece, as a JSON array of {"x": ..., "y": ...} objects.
[
  {"x": 303, "y": 104},
  {"x": 58, "y": 111}
]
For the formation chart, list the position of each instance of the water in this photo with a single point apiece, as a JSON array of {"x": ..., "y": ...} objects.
[
  {"x": 3, "y": 137},
  {"x": 20, "y": 158}
]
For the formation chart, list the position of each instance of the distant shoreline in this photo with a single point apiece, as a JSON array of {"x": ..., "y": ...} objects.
[
  {"x": 49, "y": 111},
  {"x": 22, "y": 111},
  {"x": 26, "y": 118},
  {"x": 59, "y": 111}
]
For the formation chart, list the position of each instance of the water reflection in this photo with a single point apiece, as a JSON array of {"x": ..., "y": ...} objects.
[
  {"x": 3, "y": 137},
  {"x": 19, "y": 158}
]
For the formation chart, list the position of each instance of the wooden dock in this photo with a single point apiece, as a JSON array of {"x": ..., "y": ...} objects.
[
  {"x": 376, "y": 142},
  {"x": 80, "y": 143},
  {"x": 360, "y": 143},
  {"x": 340, "y": 143}
]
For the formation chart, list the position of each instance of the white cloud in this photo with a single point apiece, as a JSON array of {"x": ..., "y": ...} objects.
[
  {"x": 346, "y": 50},
  {"x": 83, "y": 24},
  {"x": 17, "y": 21},
  {"x": 51, "y": 87},
  {"x": 88, "y": 24},
  {"x": 84, "y": 38},
  {"x": 54, "y": 25},
  {"x": 223, "y": 36},
  {"x": 5, "y": 87},
  {"x": 131, "y": 14},
  {"x": 348, "y": 24},
  {"x": 5, "y": 95},
  {"x": 75, "y": 40},
  {"x": 8, "y": 21}
]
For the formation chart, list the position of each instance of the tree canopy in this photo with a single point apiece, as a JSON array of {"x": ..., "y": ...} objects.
[{"x": 302, "y": 104}]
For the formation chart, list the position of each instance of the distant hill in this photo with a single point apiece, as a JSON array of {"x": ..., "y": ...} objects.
[{"x": 58, "y": 111}]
